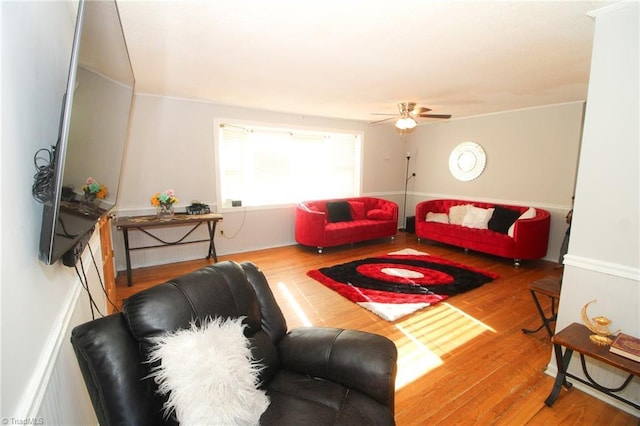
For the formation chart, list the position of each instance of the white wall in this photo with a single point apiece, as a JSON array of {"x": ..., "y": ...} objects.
[
  {"x": 39, "y": 303},
  {"x": 171, "y": 146},
  {"x": 532, "y": 156},
  {"x": 603, "y": 262}
]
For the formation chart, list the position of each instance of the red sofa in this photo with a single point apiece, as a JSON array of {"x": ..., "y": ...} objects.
[
  {"x": 370, "y": 218},
  {"x": 526, "y": 238}
]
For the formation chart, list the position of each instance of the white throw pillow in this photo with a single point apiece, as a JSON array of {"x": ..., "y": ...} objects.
[
  {"x": 209, "y": 375},
  {"x": 477, "y": 217},
  {"x": 437, "y": 217},
  {"x": 529, "y": 214},
  {"x": 457, "y": 214}
]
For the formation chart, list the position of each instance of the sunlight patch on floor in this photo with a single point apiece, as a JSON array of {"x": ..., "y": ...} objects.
[
  {"x": 428, "y": 335},
  {"x": 414, "y": 358},
  {"x": 294, "y": 304}
]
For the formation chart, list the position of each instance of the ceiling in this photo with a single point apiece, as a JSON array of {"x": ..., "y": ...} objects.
[{"x": 350, "y": 58}]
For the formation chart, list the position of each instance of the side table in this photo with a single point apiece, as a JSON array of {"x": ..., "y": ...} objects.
[
  {"x": 550, "y": 287},
  {"x": 576, "y": 338}
]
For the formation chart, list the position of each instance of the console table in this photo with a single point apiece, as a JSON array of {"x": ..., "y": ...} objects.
[
  {"x": 144, "y": 223},
  {"x": 576, "y": 338}
]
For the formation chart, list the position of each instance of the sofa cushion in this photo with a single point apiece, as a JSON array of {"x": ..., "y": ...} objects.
[
  {"x": 197, "y": 367},
  {"x": 339, "y": 211},
  {"x": 437, "y": 217},
  {"x": 529, "y": 214},
  {"x": 463, "y": 236},
  {"x": 457, "y": 214},
  {"x": 379, "y": 214},
  {"x": 477, "y": 217},
  {"x": 357, "y": 210},
  {"x": 502, "y": 219}
]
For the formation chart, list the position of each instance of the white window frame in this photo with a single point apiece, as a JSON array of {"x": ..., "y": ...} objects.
[{"x": 278, "y": 128}]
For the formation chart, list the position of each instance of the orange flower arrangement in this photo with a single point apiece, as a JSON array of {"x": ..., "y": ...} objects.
[{"x": 167, "y": 197}]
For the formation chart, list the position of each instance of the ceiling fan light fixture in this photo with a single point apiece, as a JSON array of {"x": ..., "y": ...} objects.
[{"x": 406, "y": 123}]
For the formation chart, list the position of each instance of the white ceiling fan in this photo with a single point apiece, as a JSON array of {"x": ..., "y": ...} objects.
[{"x": 408, "y": 114}]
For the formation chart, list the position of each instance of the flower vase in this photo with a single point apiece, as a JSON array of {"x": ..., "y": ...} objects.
[
  {"x": 89, "y": 199},
  {"x": 165, "y": 211}
]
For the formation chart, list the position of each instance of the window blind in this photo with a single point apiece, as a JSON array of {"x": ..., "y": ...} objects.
[{"x": 263, "y": 166}]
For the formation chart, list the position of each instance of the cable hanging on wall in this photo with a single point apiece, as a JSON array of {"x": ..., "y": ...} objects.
[
  {"x": 42, "y": 187},
  {"x": 84, "y": 282}
]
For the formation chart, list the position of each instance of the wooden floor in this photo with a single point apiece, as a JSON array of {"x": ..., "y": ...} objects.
[{"x": 464, "y": 361}]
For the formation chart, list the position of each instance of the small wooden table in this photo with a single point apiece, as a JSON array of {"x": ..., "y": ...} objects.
[
  {"x": 142, "y": 223},
  {"x": 576, "y": 338},
  {"x": 550, "y": 287}
]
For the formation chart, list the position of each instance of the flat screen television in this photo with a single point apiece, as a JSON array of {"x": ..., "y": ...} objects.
[{"x": 93, "y": 132}]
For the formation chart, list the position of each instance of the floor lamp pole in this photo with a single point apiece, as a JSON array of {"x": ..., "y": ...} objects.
[{"x": 406, "y": 182}]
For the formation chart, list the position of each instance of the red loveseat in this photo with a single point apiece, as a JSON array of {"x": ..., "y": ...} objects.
[
  {"x": 506, "y": 234},
  {"x": 328, "y": 223}
]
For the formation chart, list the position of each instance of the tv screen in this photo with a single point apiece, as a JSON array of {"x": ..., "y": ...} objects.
[{"x": 93, "y": 131}]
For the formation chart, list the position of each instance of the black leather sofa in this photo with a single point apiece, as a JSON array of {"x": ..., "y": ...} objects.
[{"x": 312, "y": 375}]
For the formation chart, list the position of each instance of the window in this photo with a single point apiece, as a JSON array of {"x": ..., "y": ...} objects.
[{"x": 263, "y": 166}]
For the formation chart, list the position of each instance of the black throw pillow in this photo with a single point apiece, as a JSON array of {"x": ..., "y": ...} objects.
[
  {"x": 502, "y": 219},
  {"x": 339, "y": 211}
]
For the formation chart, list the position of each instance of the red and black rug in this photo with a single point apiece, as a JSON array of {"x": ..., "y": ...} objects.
[{"x": 397, "y": 284}]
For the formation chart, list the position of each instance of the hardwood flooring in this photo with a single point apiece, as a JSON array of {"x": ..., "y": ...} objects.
[{"x": 464, "y": 361}]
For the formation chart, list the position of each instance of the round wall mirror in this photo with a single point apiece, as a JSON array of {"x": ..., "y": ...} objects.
[{"x": 467, "y": 161}]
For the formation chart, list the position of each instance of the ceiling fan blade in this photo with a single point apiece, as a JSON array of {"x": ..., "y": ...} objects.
[
  {"x": 445, "y": 116},
  {"x": 380, "y": 113},
  {"x": 419, "y": 110},
  {"x": 380, "y": 121}
]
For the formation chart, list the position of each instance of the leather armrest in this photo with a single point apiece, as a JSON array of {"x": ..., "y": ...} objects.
[
  {"x": 359, "y": 360},
  {"x": 110, "y": 363}
]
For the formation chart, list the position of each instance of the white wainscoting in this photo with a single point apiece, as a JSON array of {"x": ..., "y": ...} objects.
[
  {"x": 245, "y": 229},
  {"x": 56, "y": 394}
]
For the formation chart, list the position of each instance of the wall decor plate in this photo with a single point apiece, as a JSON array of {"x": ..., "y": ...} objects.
[{"x": 467, "y": 161}]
